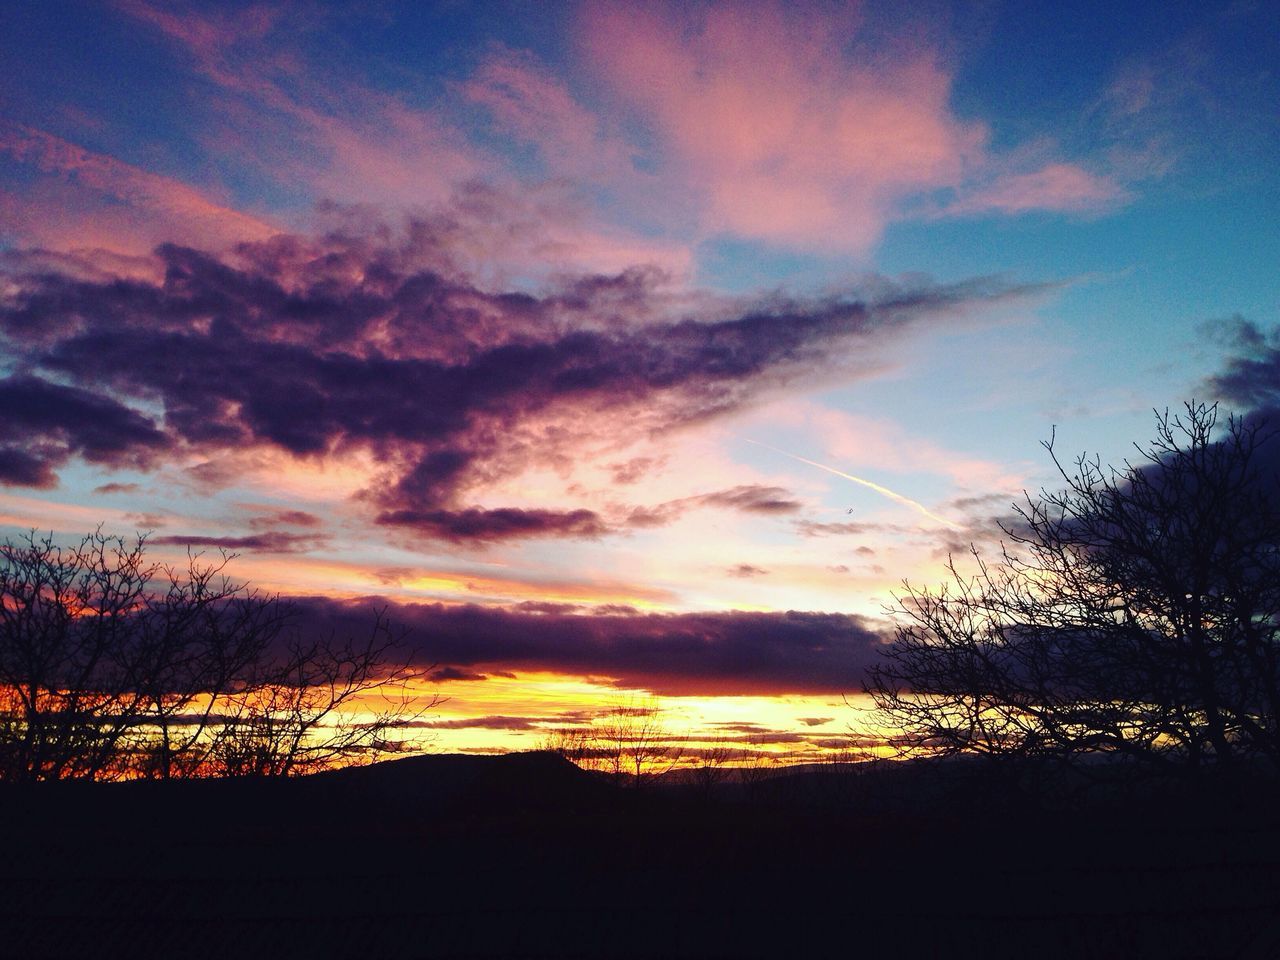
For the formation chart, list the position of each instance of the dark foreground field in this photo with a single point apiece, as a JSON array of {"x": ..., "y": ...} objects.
[{"x": 526, "y": 856}]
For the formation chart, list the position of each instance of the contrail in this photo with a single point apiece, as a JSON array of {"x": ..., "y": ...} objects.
[{"x": 883, "y": 491}]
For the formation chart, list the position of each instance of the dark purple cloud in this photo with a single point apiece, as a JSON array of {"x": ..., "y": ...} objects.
[
  {"x": 688, "y": 653},
  {"x": 108, "y": 488},
  {"x": 317, "y": 347},
  {"x": 504, "y": 523},
  {"x": 443, "y": 674},
  {"x": 285, "y": 518},
  {"x": 1250, "y": 375},
  {"x": 272, "y": 542},
  {"x": 753, "y": 499},
  {"x": 45, "y": 424},
  {"x": 554, "y": 606}
]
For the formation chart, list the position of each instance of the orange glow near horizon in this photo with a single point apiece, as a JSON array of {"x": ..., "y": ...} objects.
[{"x": 524, "y": 711}]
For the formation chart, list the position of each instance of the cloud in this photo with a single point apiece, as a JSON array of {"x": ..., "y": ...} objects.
[
  {"x": 320, "y": 348},
  {"x": 285, "y": 518},
  {"x": 757, "y": 735},
  {"x": 784, "y": 137},
  {"x": 1249, "y": 381},
  {"x": 87, "y": 199},
  {"x": 506, "y": 523},
  {"x": 752, "y": 499},
  {"x": 279, "y": 94},
  {"x": 634, "y": 469},
  {"x": 747, "y": 570},
  {"x": 109, "y": 488},
  {"x": 811, "y": 128},
  {"x": 1250, "y": 374},
  {"x": 485, "y": 723},
  {"x": 277, "y": 108},
  {"x": 536, "y": 107},
  {"x": 669, "y": 125},
  {"x": 852, "y": 528},
  {"x": 747, "y": 498},
  {"x": 1055, "y": 186},
  {"x": 457, "y": 674},
  {"x": 274, "y": 542},
  {"x": 45, "y": 424},
  {"x": 733, "y": 652},
  {"x": 982, "y": 501}
]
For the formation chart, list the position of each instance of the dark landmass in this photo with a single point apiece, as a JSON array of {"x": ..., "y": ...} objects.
[{"x": 527, "y": 856}]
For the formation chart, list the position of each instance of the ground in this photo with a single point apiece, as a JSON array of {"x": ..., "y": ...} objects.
[{"x": 525, "y": 856}]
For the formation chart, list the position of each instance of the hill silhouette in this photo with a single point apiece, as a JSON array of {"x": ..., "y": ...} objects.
[{"x": 525, "y": 855}]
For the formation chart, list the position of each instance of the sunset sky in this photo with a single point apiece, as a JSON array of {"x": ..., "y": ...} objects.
[{"x": 617, "y": 347}]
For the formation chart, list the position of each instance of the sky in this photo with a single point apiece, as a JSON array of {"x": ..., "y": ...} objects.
[{"x": 617, "y": 350}]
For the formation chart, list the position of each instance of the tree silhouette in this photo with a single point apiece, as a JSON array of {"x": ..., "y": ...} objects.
[
  {"x": 1134, "y": 613},
  {"x": 111, "y": 666},
  {"x": 296, "y": 715},
  {"x": 630, "y": 742}
]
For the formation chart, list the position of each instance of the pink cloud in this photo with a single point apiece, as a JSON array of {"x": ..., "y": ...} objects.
[
  {"x": 1055, "y": 186},
  {"x": 318, "y": 126},
  {"x": 537, "y": 108},
  {"x": 781, "y": 134},
  {"x": 790, "y": 140},
  {"x": 86, "y": 199}
]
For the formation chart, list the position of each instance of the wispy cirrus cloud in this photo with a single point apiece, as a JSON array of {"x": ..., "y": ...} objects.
[
  {"x": 779, "y": 128},
  {"x": 534, "y": 105},
  {"x": 782, "y": 136},
  {"x": 667, "y": 126},
  {"x": 89, "y": 199},
  {"x": 1055, "y": 186},
  {"x": 301, "y": 120}
]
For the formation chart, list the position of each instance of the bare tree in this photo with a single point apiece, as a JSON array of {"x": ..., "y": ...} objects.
[
  {"x": 325, "y": 702},
  {"x": 635, "y": 741},
  {"x": 630, "y": 742},
  {"x": 572, "y": 743},
  {"x": 93, "y": 663},
  {"x": 198, "y": 644},
  {"x": 1135, "y": 612},
  {"x": 755, "y": 765},
  {"x": 710, "y": 765},
  {"x": 111, "y": 666}
]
